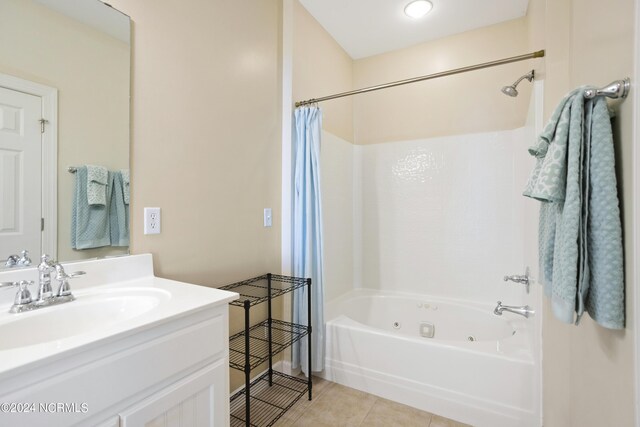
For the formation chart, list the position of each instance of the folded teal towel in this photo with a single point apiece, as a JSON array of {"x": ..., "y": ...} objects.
[
  {"x": 580, "y": 234},
  {"x": 126, "y": 185},
  {"x": 89, "y": 223},
  {"x": 97, "y": 177},
  {"x": 548, "y": 179},
  {"x": 118, "y": 213}
]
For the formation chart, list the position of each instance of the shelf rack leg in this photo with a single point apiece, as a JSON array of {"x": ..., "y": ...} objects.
[
  {"x": 247, "y": 366},
  {"x": 309, "y": 336},
  {"x": 269, "y": 321}
]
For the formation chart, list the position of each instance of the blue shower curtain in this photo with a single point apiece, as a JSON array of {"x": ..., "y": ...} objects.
[{"x": 307, "y": 235}]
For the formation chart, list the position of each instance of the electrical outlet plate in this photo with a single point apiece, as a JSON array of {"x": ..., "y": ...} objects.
[{"x": 151, "y": 220}]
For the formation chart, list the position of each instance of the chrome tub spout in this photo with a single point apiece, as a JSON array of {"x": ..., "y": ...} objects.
[{"x": 525, "y": 310}]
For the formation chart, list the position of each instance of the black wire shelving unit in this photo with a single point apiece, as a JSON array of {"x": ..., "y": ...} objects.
[{"x": 265, "y": 399}]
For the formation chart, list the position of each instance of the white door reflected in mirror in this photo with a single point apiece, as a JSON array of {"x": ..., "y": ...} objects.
[{"x": 20, "y": 172}]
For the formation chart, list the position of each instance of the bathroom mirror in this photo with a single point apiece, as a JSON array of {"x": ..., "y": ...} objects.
[{"x": 67, "y": 62}]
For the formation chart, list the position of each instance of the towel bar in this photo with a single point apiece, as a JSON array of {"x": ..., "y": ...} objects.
[
  {"x": 72, "y": 169},
  {"x": 616, "y": 89}
]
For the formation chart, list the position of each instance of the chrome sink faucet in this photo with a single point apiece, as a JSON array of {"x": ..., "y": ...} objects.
[
  {"x": 23, "y": 300},
  {"x": 18, "y": 261},
  {"x": 525, "y": 310}
]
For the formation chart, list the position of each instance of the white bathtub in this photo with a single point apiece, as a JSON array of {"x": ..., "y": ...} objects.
[{"x": 478, "y": 368}]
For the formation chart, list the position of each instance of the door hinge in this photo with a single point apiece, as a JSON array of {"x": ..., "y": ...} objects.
[
  {"x": 42, "y": 123},
  {"x": 41, "y": 224}
]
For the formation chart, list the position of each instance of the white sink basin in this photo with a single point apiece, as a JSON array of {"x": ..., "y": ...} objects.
[
  {"x": 118, "y": 297},
  {"x": 91, "y": 312}
]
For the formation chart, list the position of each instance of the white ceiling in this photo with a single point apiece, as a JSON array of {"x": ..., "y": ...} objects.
[
  {"x": 94, "y": 13},
  {"x": 369, "y": 27}
]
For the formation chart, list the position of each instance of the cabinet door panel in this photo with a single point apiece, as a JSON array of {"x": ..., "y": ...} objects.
[
  {"x": 112, "y": 422},
  {"x": 199, "y": 400}
]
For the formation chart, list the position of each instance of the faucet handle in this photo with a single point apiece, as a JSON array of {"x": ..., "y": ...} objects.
[
  {"x": 517, "y": 278},
  {"x": 12, "y": 261},
  {"x": 63, "y": 275},
  {"x": 60, "y": 273},
  {"x": 64, "y": 290},
  {"x": 24, "y": 260},
  {"x": 498, "y": 310},
  {"x": 23, "y": 296}
]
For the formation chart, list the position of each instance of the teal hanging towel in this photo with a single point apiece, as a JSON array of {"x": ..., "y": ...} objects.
[{"x": 580, "y": 231}]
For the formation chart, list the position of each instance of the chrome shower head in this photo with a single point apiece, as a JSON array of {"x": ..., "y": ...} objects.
[{"x": 511, "y": 90}]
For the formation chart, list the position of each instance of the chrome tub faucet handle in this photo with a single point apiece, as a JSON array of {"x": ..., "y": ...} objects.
[{"x": 520, "y": 278}]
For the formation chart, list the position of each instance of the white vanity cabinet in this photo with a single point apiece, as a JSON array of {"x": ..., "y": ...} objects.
[
  {"x": 167, "y": 368},
  {"x": 198, "y": 399}
]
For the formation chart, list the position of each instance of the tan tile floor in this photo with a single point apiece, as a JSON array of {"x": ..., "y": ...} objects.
[{"x": 334, "y": 405}]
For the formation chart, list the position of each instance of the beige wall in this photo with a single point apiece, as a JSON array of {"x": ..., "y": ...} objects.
[
  {"x": 321, "y": 67},
  {"x": 466, "y": 103},
  {"x": 459, "y": 104},
  {"x": 205, "y": 136},
  {"x": 90, "y": 69},
  {"x": 589, "y": 370}
]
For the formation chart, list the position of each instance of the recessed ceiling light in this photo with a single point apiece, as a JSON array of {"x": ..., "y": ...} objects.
[{"x": 417, "y": 8}]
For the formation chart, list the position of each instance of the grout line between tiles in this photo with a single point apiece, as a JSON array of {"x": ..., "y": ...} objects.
[
  {"x": 369, "y": 411},
  {"x": 307, "y": 404}
]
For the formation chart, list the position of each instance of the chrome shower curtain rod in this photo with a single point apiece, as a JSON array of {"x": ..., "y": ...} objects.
[{"x": 532, "y": 55}]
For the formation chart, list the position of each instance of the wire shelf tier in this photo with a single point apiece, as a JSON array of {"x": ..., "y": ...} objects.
[
  {"x": 256, "y": 290},
  {"x": 268, "y": 403},
  {"x": 283, "y": 334}
]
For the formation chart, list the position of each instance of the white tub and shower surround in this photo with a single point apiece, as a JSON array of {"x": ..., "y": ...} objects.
[
  {"x": 338, "y": 199},
  {"x": 486, "y": 382},
  {"x": 440, "y": 216},
  {"x": 437, "y": 223},
  {"x": 434, "y": 223}
]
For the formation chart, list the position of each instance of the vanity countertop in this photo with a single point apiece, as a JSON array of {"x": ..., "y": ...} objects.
[{"x": 118, "y": 297}]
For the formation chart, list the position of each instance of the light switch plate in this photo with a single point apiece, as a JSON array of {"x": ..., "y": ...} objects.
[
  {"x": 151, "y": 220},
  {"x": 267, "y": 217}
]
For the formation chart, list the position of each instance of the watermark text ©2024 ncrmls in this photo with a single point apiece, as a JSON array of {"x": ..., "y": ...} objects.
[{"x": 46, "y": 407}]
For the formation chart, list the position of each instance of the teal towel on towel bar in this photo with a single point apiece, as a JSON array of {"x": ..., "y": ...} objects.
[
  {"x": 126, "y": 185},
  {"x": 119, "y": 213},
  {"x": 89, "y": 223},
  {"x": 580, "y": 233},
  {"x": 605, "y": 296},
  {"x": 97, "y": 180}
]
